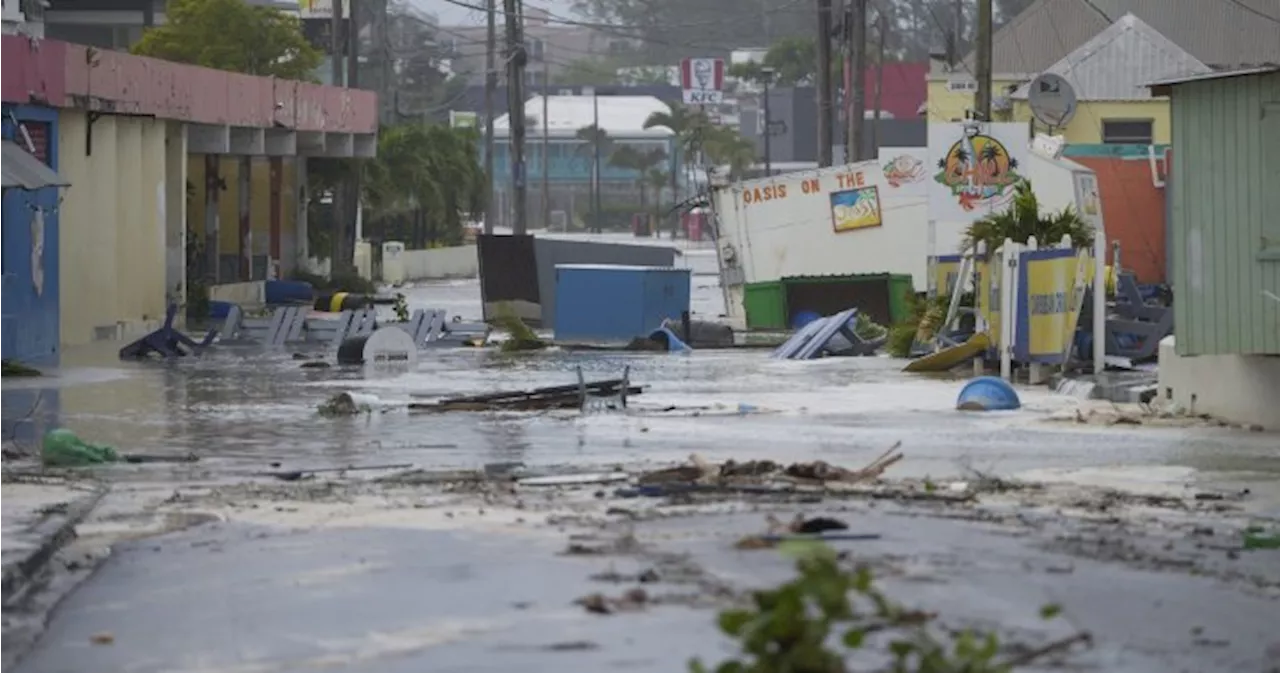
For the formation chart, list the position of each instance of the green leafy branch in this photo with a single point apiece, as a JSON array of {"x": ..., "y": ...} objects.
[{"x": 789, "y": 629}]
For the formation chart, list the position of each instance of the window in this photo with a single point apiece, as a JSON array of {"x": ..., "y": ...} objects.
[{"x": 1126, "y": 131}]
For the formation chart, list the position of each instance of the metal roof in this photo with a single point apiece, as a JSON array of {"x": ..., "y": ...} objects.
[
  {"x": 1162, "y": 87},
  {"x": 1117, "y": 63},
  {"x": 620, "y": 116},
  {"x": 1220, "y": 33},
  {"x": 24, "y": 171}
]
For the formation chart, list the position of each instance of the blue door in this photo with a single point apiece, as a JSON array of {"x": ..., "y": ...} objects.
[{"x": 30, "y": 246}]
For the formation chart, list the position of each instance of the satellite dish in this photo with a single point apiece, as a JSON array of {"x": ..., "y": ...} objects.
[{"x": 1052, "y": 100}]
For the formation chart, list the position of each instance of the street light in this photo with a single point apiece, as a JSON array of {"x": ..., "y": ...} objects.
[{"x": 766, "y": 74}]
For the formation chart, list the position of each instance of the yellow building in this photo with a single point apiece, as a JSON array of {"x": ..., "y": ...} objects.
[{"x": 1106, "y": 51}]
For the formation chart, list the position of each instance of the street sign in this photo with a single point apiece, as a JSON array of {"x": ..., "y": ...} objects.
[
  {"x": 777, "y": 127},
  {"x": 461, "y": 118},
  {"x": 1052, "y": 100},
  {"x": 702, "y": 80}
]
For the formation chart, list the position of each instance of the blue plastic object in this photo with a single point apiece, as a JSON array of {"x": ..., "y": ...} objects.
[
  {"x": 674, "y": 344},
  {"x": 288, "y": 292},
  {"x": 804, "y": 318},
  {"x": 605, "y": 303},
  {"x": 218, "y": 310},
  {"x": 988, "y": 393}
]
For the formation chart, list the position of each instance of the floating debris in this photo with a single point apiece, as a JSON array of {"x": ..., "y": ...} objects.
[{"x": 539, "y": 399}]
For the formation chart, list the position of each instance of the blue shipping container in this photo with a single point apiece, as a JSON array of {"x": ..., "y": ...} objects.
[{"x": 605, "y": 303}]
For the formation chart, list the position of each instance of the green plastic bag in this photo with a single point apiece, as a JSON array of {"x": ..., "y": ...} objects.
[{"x": 62, "y": 448}]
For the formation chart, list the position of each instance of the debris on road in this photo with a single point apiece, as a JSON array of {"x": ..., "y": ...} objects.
[
  {"x": 732, "y": 473},
  {"x": 539, "y": 399},
  {"x": 63, "y": 448},
  {"x": 631, "y": 601},
  {"x": 348, "y": 404},
  {"x": 295, "y": 475},
  {"x": 801, "y": 528}
]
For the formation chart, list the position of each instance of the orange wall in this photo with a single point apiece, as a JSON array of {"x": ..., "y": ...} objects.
[{"x": 1134, "y": 212}]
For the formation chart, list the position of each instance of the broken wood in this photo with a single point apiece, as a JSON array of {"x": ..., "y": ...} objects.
[{"x": 550, "y": 397}]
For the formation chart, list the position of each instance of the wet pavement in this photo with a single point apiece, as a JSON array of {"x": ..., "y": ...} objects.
[{"x": 348, "y": 582}]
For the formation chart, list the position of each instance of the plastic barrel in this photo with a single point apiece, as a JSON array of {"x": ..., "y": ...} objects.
[
  {"x": 218, "y": 310},
  {"x": 988, "y": 393},
  {"x": 288, "y": 292},
  {"x": 337, "y": 302},
  {"x": 351, "y": 350}
]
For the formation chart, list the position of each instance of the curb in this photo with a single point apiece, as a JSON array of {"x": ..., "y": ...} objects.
[{"x": 54, "y": 532}]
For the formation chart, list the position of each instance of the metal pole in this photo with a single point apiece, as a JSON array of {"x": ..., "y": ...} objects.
[
  {"x": 858, "y": 110},
  {"x": 882, "y": 23},
  {"x": 353, "y": 233},
  {"x": 824, "y": 83},
  {"x": 595, "y": 162},
  {"x": 335, "y": 45},
  {"x": 546, "y": 144},
  {"x": 490, "y": 87},
  {"x": 516, "y": 60},
  {"x": 768, "y": 131},
  {"x": 982, "y": 61}
]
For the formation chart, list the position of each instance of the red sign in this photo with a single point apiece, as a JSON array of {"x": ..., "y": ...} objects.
[{"x": 702, "y": 75}]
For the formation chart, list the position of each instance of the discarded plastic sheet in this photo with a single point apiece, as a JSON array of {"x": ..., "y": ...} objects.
[
  {"x": 819, "y": 338},
  {"x": 575, "y": 479},
  {"x": 664, "y": 335},
  {"x": 947, "y": 358},
  {"x": 63, "y": 448},
  {"x": 988, "y": 393}
]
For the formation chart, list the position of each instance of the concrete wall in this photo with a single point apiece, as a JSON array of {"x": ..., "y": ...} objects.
[
  {"x": 456, "y": 262},
  {"x": 114, "y": 226},
  {"x": 1236, "y": 388}
]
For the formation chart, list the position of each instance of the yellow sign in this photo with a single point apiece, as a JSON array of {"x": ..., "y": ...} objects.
[
  {"x": 989, "y": 298},
  {"x": 1050, "y": 304},
  {"x": 945, "y": 272},
  {"x": 855, "y": 209}
]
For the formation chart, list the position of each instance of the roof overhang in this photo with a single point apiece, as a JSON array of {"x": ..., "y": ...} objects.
[
  {"x": 24, "y": 171},
  {"x": 1164, "y": 87}
]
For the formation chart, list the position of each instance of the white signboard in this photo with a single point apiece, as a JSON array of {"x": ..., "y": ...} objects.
[
  {"x": 973, "y": 168},
  {"x": 906, "y": 170},
  {"x": 1088, "y": 201},
  {"x": 321, "y": 9},
  {"x": 702, "y": 80}
]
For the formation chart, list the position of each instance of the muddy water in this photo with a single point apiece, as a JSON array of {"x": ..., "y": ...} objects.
[{"x": 240, "y": 410}]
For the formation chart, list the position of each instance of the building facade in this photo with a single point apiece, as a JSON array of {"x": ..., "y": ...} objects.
[
  {"x": 130, "y": 135},
  {"x": 1224, "y": 358}
]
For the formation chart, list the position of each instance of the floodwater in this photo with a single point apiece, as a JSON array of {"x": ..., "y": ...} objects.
[{"x": 240, "y": 410}]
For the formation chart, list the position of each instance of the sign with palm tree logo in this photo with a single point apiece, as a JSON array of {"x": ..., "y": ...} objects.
[{"x": 975, "y": 168}]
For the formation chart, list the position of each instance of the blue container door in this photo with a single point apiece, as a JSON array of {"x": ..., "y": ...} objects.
[
  {"x": 30, "y": 251},
  {"x": 666, "y": 296}
]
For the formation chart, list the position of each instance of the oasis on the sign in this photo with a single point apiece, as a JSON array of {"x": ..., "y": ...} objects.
[
  {"x": 766, "y": 193},
  {"x": 851, "y": 180}
]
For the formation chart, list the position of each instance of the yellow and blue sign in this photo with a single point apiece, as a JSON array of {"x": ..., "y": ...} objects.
[
  {"x": 1048, "y": 305},
  {"x": 946, "y": 269}
]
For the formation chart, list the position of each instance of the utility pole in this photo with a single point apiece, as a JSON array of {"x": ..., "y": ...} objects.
[
  {"x": 546, "y": 142},
  {"x": 857, "y": 31},
  {"x": 982, "y": 99},
  {"x": 490, "y": 88},
  {"x": 338, "y": 260},
  {"x": 336, "y": 49},
  {"x": 595, "y": 161},
  {"x": 768, "y": 124},
  {"x": 824, "y": 83},
  {"x": 516, "y": 60},
  {"x": 882, "y": 25},
  {"x": 353, "y": 183}
]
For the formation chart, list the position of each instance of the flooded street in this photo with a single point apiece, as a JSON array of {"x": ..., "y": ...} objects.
[
  {"x": 243, "y": 573},
  {"x": 240, "y": 409}
]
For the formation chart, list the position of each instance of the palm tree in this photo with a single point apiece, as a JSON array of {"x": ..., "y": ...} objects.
[
  {"x": 599, "y": 147},
  {"x": 657, "y": 178},
  {"x": 688, "y": 124},
  {"x": 991, "y": 154},
  {"x": 1023, "y": 219}
]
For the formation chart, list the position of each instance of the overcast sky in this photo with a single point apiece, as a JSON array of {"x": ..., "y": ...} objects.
[{"x": 453, "y": 15}]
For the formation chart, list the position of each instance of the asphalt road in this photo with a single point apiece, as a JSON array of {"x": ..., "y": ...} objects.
[{"x": 228, "y": 598}]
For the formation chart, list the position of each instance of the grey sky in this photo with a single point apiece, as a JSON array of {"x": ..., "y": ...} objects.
[{"x": 453, "y": 15}]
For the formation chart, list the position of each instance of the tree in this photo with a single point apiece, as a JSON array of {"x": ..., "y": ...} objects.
[
  {"x": 585, "y": 71},
  {"x": 794, "y": 61},
  {"x": 232, "y": 35},
  {"x": 1023, "y": 220},
  {"x": 630, "y": 158},
  {"x": 426, "y": 178}
]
